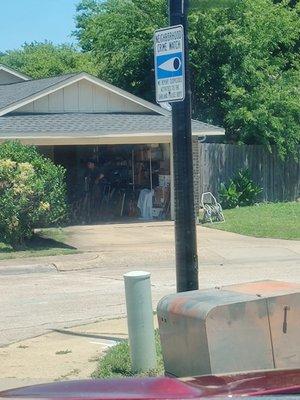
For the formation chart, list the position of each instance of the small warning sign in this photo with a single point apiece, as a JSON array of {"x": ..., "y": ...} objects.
[{"x": 169, "y": 64}]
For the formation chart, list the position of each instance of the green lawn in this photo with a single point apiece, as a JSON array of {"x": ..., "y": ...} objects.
[
  {"x": 273, "y": 220},
  {"x": 47, "y": 242}
]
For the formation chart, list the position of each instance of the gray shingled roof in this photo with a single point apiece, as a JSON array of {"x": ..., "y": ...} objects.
[
  {"x": 13, "y": 92},
  {"x": 80, "y": 125}
]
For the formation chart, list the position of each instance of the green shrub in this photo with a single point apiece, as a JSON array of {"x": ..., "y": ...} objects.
[
  {"x": 32, "y": 192},
  {"x": 240, "y": 191}
]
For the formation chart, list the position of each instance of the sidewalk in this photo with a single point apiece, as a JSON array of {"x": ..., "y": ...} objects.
[
  {"x": 59, "y": 355},
  {"x": 67, "y": 262}
]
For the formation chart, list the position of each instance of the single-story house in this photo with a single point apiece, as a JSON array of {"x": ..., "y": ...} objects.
[{"x": 76, "y": 117}]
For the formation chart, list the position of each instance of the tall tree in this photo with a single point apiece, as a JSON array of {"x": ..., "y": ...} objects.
[
  {"x": 40, "y": 60},
  {"x": 246, "y": 71},
  {"x": 119, "y": 34},
  {"x": 244, "y": 61}
]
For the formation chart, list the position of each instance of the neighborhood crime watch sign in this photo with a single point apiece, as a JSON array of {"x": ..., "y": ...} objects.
[{"x": 169, "y": 64}]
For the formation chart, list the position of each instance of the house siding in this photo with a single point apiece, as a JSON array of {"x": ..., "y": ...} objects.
[
  {"x": 83, "y": 96},
  {"x": 6, "y": 78}
]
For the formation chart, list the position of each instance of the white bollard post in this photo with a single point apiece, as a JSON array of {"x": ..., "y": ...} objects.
[{"x": 140, "y": 321}]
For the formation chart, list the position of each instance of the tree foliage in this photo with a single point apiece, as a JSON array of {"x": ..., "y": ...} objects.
[
  {"x": 249, "y": 78},
  {"x": 119, "y": 35},
  {"x": 32, "y": 192},
  {"x": 40, "y": 60},
  {"x": 245, "y": 61}
]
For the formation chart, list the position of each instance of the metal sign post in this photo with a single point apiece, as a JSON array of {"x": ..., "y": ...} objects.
[{"x": 180, "y": 96}]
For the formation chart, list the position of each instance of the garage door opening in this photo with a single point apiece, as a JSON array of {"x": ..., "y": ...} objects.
[{"x": 116, "y": 182}]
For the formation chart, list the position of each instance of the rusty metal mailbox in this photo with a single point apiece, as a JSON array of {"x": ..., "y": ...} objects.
[{"x": 250, "y": 326}]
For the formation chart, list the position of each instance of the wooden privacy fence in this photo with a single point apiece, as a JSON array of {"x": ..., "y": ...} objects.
[{"x": 218, "y": 163}]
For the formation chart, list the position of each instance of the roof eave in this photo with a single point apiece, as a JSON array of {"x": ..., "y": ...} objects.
[
  {"x": 14, "y": 72},
  {"x": 95, "y": 137},
  {"x": 89, "y": 140}
]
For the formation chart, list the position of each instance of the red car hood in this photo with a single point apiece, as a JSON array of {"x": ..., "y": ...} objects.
[{"x": 243, "y": 384}]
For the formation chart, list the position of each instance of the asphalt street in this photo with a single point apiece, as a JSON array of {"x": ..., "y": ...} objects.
[{"x": 39, "y": 296}]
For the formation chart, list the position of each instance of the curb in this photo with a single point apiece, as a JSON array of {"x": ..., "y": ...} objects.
[{"x": 27, "y": 269}]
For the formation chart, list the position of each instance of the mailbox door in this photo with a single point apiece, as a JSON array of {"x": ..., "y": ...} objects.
[
  {"x": 239, "y": 337},
  {"x": 284, "y": 314}
]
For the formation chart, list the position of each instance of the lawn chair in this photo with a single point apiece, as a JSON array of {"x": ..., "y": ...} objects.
[{"x": 212, "y": 210}]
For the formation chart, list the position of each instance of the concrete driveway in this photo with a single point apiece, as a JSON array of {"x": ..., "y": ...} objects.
[
  {"x": 131, "y": 241},
  {"x": 39, "y": 295}
]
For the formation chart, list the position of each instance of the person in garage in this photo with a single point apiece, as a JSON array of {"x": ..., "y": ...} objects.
[{"x": 95, "y": 179}]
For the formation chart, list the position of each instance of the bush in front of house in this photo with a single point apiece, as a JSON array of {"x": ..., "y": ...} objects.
[
  {"x": 32, "y": 192},
  {"x": 239, "y": 191}
]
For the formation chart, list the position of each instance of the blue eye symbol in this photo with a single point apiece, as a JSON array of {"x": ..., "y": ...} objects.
[{"x": 172, "y": 65}]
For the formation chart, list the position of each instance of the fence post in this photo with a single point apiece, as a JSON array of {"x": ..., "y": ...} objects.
[{"x": 140, "y": 321}]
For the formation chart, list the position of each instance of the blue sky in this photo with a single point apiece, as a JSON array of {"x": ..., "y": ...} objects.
[{"x": 28, "y": 20}]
